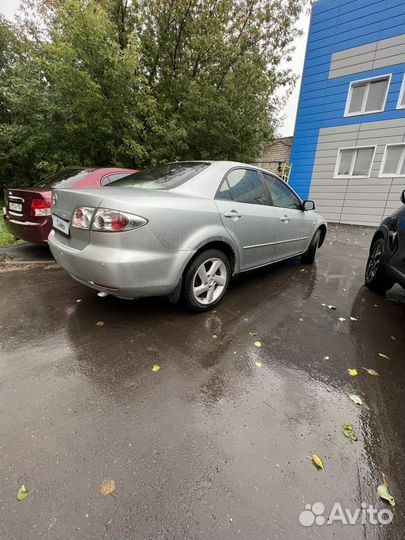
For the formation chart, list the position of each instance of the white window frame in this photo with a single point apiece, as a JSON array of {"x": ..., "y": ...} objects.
[
  {"x": 401, "y": 159},
  {"x": 368, "y": 80},
  {"x": 336, "y": 175},
  {"x": 401, "y": 95}
]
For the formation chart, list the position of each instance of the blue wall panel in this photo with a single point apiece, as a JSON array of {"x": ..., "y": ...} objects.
[{"x": 337, "y": 25}]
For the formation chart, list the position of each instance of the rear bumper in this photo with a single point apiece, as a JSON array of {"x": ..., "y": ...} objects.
[
  {"x": 122, "y": 272},
  {"x": 30, "y": 231}
]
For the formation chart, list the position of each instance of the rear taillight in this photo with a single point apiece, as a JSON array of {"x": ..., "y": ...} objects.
[
  {"x": 40, "y": 207},
  {"x": 82, "y": 217},
  {"x": 106, "y": 220}
]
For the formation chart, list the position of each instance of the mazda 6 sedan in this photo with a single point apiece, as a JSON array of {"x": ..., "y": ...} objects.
[{"x": 182, "y": 230}]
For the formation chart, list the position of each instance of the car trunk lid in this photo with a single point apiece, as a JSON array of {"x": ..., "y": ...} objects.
[
  {"x": 64, "y": 202},
  {"x": 20, "y": 203}
]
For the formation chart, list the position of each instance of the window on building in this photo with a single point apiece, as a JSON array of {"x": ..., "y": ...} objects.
[
  {"x": 246, "y": 186},
  {"x": 393, "y": 163},
  {"x": 401, "y": 100},
  {"x": 367, "y": 96},
  {"x": 354, "y": 162}
]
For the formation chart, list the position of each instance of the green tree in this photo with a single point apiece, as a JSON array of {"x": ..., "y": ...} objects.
[
  {"x": 138, "y": 83},
  {"x": 214, "y": 66}
]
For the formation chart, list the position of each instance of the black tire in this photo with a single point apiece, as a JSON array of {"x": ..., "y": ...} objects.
[
  {"x": 309, "y": 256},
  {"x": 192, "y": 281},
  {"x": 376, "y": 277}
]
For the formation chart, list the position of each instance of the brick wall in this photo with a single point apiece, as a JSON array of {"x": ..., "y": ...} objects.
[{"x": 278, "y": 150}]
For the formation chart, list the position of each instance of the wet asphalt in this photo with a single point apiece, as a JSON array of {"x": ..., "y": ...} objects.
[{"x": 211, "y": 446}]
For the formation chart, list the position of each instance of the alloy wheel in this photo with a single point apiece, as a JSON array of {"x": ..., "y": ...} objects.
[
  {"x": 374, "y": 261},
  {"x": 209, "y": 281}
]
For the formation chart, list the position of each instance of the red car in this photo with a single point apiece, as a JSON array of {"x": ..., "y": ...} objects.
[{"x": 27, "y": 212}]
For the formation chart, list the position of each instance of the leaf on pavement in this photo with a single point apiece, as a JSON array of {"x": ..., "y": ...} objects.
[
  {"x": 371, "y": 371},
  {"x": 258, "y": 344},
  {"x": 107, "y": 487},
  {"x": 100, "y": 323},
  {"x": 316, "y": 460},
  {"x": 326, "y": 357},
  {"x": 214, "y": 336},
  {"x": 356, "y": 399},
  {"x": 331, "y": 307},
  {"x": 383, "y": 492},
  {"x": 22, "y": 493},
  {"x": 342, "y": 319},
  {"x": 353, "y": 318},
  {"x": 155, "y": 368},
  {"x": 352, "y": 372},
  {"x": 349, "y": 433},
  {"x": 382, "y": 355},
  {"x": 253, "y": 334},
  {"x": 258, "y": 364}
]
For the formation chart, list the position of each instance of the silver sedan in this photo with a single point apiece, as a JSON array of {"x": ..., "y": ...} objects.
[{"x": 182, "y": 230}]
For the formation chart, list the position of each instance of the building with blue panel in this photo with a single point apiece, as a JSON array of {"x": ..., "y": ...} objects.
[{"x": 348, "y": 152}]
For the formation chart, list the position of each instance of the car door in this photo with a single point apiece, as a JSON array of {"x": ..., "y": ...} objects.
[
  {"x": 296, "y": 225},
  {"x": 243, "y": 204}
]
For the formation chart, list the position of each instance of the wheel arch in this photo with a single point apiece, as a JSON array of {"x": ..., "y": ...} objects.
[
  {"x": 380, "y": 233},
  {"x": 223, "y": 246}
]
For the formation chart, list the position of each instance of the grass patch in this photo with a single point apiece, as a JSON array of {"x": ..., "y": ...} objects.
[{"x": 7, "y": 239}]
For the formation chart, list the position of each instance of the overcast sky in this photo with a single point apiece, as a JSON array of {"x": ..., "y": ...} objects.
[{"x": 9, "y": 8}]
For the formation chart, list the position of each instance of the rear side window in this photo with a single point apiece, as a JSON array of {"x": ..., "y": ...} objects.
[
  {"x": 65, "y": 179},
  {"x": 281, "y": 194},
  {"x": 224, "y": 192},
  {"x": 246, "y": 186},
  {"x": 166, "y": 176}
]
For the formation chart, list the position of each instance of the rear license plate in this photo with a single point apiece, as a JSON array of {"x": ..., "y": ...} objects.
[
  {"x": 60, "y": 224},
  {"x": 17, "y": 207}
]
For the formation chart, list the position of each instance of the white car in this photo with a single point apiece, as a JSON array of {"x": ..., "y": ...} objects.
[{"x": 181, "y": 230}]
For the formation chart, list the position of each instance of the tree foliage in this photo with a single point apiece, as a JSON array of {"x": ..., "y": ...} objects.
[{"x": 138, "y": 83}]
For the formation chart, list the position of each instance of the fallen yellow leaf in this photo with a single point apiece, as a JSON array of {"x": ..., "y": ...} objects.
[
  {"x": 352, "y": 372},
  {"x": 107, "y": 487},
  {"x": 371, "y": 371},
  {"x": 22, "y": 493},
  {"x": 384, "y": 356},
  {"x": 258, "y": 364},
  {"x": 214, "y": 336},
  {"x": 258, "y": 344},
  {"x": 155, "y": 368},
  {"x": 316, "y": 460}
]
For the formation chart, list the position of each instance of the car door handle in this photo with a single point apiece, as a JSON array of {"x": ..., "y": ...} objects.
[
  {"x": 285, "y": 218},
  {"x": 233, "y": 214}
]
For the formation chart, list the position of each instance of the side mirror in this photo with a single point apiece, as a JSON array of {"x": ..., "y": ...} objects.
[
  {"x": 403, "y": 197},
  {"x": 309, "y": 205}
]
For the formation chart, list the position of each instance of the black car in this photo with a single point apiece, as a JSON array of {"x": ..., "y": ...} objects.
[{"x": 386, "y": 262}]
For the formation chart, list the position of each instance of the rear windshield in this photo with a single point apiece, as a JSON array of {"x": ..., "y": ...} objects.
[
  {"x": 166, "y": 176},
  {"x": 64, "y": 179}
]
